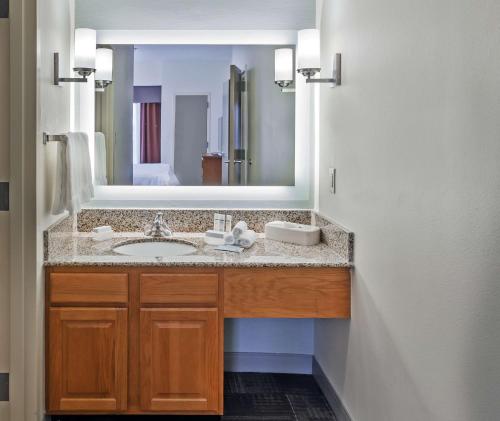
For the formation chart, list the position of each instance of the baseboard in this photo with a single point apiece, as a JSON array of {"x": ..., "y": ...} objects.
[
  {"x": 259, "y": 362},
  {"x": 328, "y": 390}
]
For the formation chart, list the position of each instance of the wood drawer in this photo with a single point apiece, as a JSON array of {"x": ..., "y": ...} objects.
[
  {"x": 178, "y": 288},
  {"x": 287, "y": 293},
  {"x": 88, "y": 288}
]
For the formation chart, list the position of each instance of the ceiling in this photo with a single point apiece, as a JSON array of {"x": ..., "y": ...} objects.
[{"x": 196, "y": 14}]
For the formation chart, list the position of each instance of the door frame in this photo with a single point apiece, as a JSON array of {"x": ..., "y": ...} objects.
[
  {"x": 209, "y": 115},
  {"x": 26, "y": 330}
]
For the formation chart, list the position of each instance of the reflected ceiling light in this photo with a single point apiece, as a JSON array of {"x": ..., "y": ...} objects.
[
  {"x": 283, "y": 67},
  {"x": 104, "y": 68},
  {"x": 309, "y": 58}
]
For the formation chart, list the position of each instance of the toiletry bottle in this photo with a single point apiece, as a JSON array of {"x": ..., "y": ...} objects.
[
  {"x": 229, "y": 221},
  {"x": 222, "y": 222}
]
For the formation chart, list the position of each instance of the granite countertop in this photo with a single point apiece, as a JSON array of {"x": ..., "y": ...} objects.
[{"x": 79, "y": 249}]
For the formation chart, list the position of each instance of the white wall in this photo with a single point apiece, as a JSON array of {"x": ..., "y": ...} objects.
[
  {"x": 414, "y": 132},
  {"x": 55, "y": 33},
  {"x": 184, "y": 70},
  {"x": 4, "y": 176},
  {"x": 195, "y": 14}
]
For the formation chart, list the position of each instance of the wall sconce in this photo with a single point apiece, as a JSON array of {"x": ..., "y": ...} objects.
[
  {"x": 85, "y": 56},
  {"x": 283, "y": 67},
  {"x": 309, "y": 58},
  {"x": 104, "y": 68}
]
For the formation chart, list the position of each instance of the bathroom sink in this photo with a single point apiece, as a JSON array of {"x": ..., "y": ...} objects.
[{"x": 156, "y": 248}]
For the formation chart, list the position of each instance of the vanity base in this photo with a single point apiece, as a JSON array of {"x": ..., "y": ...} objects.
[{"x": 149, "y": 340}]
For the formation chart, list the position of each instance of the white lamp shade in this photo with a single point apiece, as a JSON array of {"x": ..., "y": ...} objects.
[
  {"x": 308, "y": 49},
  {"x": 283, "y": 64},
  {"x": 104, "y": 64},
  {"x": 85, "y": 46}
]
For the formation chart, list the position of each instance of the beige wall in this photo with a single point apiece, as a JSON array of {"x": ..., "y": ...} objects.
[
  {"x": 414, "y": 132},
  {"x": 4, "y": 176}
]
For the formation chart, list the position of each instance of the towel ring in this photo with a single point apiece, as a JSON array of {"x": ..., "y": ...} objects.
[{"x": 54, "y": 138}]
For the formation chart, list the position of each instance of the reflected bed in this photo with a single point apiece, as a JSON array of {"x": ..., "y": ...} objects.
[{"x": 154, "y": 175}]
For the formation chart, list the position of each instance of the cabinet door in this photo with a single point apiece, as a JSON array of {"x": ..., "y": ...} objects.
[
  {"x": 179, "y": 360},
  {"x": 87, "y": 360}
]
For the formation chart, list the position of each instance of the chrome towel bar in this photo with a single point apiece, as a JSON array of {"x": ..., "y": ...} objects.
[{"x": 54, "y": 138}]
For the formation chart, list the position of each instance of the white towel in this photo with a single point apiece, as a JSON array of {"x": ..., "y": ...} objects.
[
  {"x": 228, "y": 238},
  {"x": 239, "y": 229},
  {"x": 73, "y": 175},
  {"x": 247, "y": 239},
  {"x": 100, "y": 160}
]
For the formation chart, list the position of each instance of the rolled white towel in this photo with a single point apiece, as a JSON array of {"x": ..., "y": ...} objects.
[
  {"x": 247, "y": 239},
  {"x": 228, "y": 238},
  {"x": 239, "y": 229}
]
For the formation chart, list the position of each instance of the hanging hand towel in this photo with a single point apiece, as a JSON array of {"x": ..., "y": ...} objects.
[
  {"x": 100, "y": 160},
  {"x": 73, "y": 175}
]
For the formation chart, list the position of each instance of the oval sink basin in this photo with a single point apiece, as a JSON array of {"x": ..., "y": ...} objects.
[{"x": 156, "y": 248}]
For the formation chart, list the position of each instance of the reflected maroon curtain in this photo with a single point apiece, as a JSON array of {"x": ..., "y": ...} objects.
[{"x": 150, "y": 133}]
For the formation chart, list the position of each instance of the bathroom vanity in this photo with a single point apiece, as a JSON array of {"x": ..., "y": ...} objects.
[{"x": 137, "y": 336}]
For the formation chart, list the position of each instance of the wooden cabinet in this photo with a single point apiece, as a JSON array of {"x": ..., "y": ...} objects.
[
  {"x": 179, "y": 363},
  {"x": 87, "y": 365},
  {"x": 134, "y": 341},
  {"x": 149, "y": 340},
  {"x": 290, "y": 293},
  {"x": 193, "y": 289}
]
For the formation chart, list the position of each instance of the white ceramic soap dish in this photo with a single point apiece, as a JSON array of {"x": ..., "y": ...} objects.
[{"x": 288, "y": 232}]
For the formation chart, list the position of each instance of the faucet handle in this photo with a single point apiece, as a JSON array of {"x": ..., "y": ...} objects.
[
  {"x": 160, "y": 222},
  {"x": 158, "y": 228}
]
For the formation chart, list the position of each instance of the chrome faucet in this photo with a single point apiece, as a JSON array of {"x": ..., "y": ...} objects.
[{"x": 158, "y": 229}]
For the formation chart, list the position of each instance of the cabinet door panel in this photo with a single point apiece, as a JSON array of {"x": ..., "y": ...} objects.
[
  {"x": 87, "y": 368},
  {"x": 179, "y": 364}
]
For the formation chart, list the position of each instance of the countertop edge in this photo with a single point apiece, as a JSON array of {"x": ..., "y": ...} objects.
[{"x": 198, "y": 265}]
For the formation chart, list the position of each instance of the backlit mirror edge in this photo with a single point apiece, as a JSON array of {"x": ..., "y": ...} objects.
[{"x": 298, "y": 196}]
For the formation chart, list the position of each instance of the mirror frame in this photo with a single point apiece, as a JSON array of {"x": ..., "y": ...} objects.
[{"x": 301, "y": 195}]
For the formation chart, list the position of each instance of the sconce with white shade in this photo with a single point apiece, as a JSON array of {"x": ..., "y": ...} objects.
[
  {"x": 283, "y": 67},
  {"x": 85, "y": 56},
  {"x": 309, "y": 58},
  {"x": 104, "y": 68}
]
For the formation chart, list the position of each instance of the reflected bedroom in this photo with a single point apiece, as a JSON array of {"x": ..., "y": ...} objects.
[{"x": 194, "y": 115}]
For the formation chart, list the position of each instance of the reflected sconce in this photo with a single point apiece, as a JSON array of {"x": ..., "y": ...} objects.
[
  {"x": 104, "y": 68},
  {"x": 283, "y": 68},
  {"x": 309, "y": 58},
  {"x": 85, "y": 56}
]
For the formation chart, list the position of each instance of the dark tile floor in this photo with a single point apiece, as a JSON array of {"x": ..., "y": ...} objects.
[{"x": 257, "y": 397}]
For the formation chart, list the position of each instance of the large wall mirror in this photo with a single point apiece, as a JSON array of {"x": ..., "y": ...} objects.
[{"x": 194, "y": 115}]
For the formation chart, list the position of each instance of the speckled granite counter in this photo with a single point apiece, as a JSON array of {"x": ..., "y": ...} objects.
[
  {"x": 79, "y": 249},
  {"x": 66, "y": 246}
]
